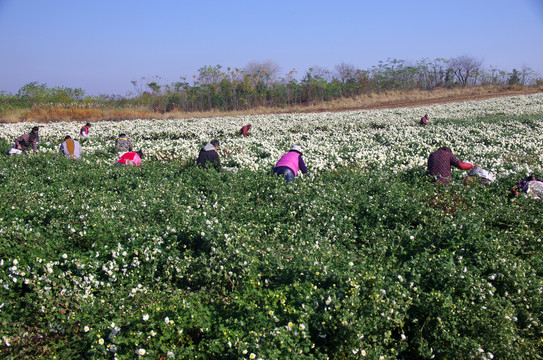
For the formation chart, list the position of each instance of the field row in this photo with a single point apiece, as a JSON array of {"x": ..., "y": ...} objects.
[{"x": 502, "y": 135}]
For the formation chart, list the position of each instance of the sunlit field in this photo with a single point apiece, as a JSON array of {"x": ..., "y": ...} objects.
[{"x": 363, "y": 257}]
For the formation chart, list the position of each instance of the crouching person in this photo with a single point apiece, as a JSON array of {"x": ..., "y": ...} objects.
[
  {"x": 290, "y": 164},
  {"x": 440, "y": 163},
  {"x": 209, "y": 155},
  {"x": 245, "y": 130},
  {"x": 84, "y": 132},
  {"x": 424, "y": 120},
  {"x": 34, "y": 132},
  {"x": 123, "y": 143},
  {"x": 130, "y": 158},
  {"x": 70, "y": 148},
  {"x": 22, "y": 143},
  {"x": 531, "y": 186}
]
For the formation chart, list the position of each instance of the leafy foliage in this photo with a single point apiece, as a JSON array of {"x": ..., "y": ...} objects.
[
  {"x": 364, "y": 257},
  {"x": 204, "y": 265}
]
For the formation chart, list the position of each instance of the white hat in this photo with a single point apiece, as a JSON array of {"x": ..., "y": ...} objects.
[{"x": 297, "y": 148}]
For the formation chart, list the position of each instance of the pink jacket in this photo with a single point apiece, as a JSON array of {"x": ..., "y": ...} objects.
[
  {"x": 130, "y": 158},
  {"x": 84, "y": 131},
  {"x": 291, "y": 161}
]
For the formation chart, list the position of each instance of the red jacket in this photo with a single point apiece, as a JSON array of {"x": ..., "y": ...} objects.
[
  {"x": 424, "y": 120},
  {"x": 440, "y": 162},
  {"x": 244, "y": 130}
]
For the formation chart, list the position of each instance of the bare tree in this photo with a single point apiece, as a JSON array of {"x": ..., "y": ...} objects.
[
  {"x": 527, "y": 75},
  {"x": 465, "y": 67},
  {"x": 493, "y": 76},
  {"x": 346, "y": 72},
  {"x": 139, "y": 85},
  {"x": 322, "y": 73},
  {"x": 265, "y": 71}
]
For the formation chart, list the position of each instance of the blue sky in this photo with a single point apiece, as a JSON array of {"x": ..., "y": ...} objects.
[{"x": 103, "y": 45}]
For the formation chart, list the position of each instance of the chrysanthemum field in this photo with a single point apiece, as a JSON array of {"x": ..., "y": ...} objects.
[{"x": 361, "y": 258}]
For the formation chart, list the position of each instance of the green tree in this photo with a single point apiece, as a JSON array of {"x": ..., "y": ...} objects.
[
  {"x": 514, "y": 77},
  {"x": 210, "y": 75},
  {"x": 154, "y": 87},
  {"x": 33, "y": 93}
]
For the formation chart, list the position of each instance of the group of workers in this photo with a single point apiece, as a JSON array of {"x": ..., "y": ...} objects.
[
  {"x": 439, "y": 163},
  {"x": 71, "y": 148},
  {"x": 289, "y": 165}
]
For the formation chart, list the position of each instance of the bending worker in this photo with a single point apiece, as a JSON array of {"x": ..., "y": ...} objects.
[
  {"x": 440, "y": 162},
  {"x": 290, "y": 163}
]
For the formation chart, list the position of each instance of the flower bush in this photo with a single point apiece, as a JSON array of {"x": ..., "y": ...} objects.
[{"x": 361, "y": 258}]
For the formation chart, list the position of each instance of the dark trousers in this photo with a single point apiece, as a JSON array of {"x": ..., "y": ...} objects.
[{"x": 283, "y": 170}]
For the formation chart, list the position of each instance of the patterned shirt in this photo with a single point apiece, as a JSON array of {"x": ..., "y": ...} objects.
[
  {"x": 24, "y": 142},
  {"x": 440, "y": 162},
  {"x": 123, "y": 143}
]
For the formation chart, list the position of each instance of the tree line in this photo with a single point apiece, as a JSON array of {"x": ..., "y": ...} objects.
[{"x": 260, "y": 85}]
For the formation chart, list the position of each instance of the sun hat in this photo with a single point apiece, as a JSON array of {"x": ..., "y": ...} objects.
[{"x": 297, "y": 148}]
